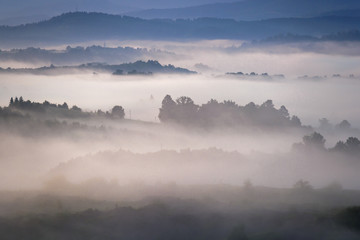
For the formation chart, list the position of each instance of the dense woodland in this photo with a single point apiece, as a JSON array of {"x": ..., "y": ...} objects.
[
  {"x": 228, "y": 113},
  {"x": 316, "y": 141},
  {"x": 59, "y": 110},
  {"x": 184, "y": 112}
]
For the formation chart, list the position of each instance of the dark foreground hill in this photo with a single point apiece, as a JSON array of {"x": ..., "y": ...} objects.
[{"x": 182, "y": 220}]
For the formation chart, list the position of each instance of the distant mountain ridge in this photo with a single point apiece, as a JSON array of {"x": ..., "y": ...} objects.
[
  {"x": 81, "y": 26},
  {"x": 22, "y": 11},
  {"x": 16, "y": 12},
  {"x": 250, "y": 10}
]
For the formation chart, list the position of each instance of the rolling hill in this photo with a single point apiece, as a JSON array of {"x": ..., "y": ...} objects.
[
  {"x": 253, "y": 9},
  {"x": 81, "y": 26}
]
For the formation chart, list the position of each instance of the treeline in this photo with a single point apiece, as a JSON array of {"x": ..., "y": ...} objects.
[
  {"x": 184, "y": 111},
  {"x": 256, "y": 75},
  {"x": 316, "y": 141},
  {"x": 138, "y": 67},
  {"x": 61, "y": 110},
  {"x": 35, "y": 119},
  {"x": 147, "y": 68}
]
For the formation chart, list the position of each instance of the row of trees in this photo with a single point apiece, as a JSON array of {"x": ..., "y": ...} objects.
[
  {"x": 185, "y": 112},
  {"x": 344, "y": 126},
  {"x": 316, "y": 141},
  {"x": 62, "y": 110},
  {"x": 39, "y": 107}
]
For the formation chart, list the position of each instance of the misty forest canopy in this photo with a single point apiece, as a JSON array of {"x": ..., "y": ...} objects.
[
  {"x": 316, "y": 142},
  {"x": 57, "y": 110},
  {"x": 32, "y": 119},
  {"x": 184, "y": 111}
]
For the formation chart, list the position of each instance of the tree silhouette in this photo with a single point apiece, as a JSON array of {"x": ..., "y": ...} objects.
[
  {"x": 118, "y": 112},
  {"x": 284, "y": 112},
  {"x": 186, "y": 110},
  {"x": 315, "y": 140},
  {"x": 63, "y": 106},
  {"x": 303, "y": 186},
  {"x": 340, "y": 147},
  {"x": 167, "y": 110},
  {"x": 295, "y": 121},
  {"x": 325, "y": 124},
  {"x": 344, "y": 125},
  {"x": 225, "y": 114},
  {"x": 353, "y": 144},
  {"x": 183, "y": 101},
  {"x": 268, "y": 104},
  {"x": 76, "y": 108}
]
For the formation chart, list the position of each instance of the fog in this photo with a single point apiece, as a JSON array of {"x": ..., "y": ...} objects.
[
  {"x": 181, "y": 120},
  {"x": 292, "y": 59},
  {"x": 256, "y": 131},
  {"x": 307, "y": 87},
  {"x": 310, "y": 99},
  {"x": 261, "y": 154}
]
